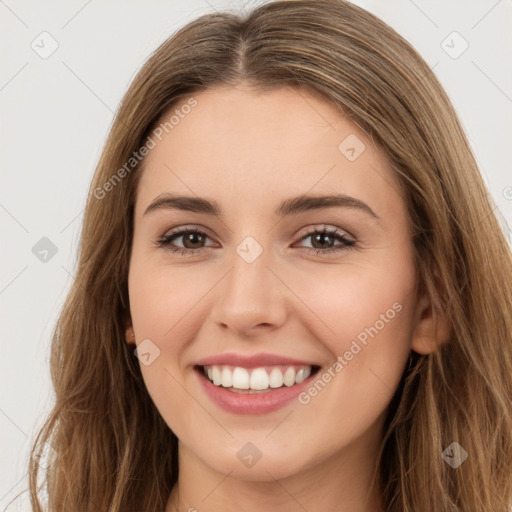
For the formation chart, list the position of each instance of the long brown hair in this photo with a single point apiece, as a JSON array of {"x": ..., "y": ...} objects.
[{"x": 114, "y": 451}]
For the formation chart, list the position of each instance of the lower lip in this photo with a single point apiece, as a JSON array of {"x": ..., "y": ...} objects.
[{"x": 258, "y": 403}]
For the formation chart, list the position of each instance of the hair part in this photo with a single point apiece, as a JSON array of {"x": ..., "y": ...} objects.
[{"x": 114, "y": 451}]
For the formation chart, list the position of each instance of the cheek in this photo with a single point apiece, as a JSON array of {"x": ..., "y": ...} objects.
[
  {"x": 168, "y": 306},
  {"x": 370, "y": 315},
  {"x": 162, "y": 301},
  {"x": 161, "y": 307},
  {"x": 364, "y": 317},
  {"x": 156, "y": 315},
  {"x": 356, "y": 303}
]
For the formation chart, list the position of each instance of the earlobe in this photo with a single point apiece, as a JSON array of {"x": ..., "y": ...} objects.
[
  {"x": 130, "y": 336},
  {"x": 129, "y": 333},
  {"x": 431, "y": 331}
]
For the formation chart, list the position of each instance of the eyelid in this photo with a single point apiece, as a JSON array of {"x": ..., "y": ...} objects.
[
  {"x": 347, "y": 241},
  {"x": 183, "y": 230},
  {"x": 321, "y": 227},
  {"x": 304, "y": 232},
  {"x": 188, "y": 227}
]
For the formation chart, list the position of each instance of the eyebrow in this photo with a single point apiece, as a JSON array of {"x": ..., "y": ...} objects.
[{"x": 292, "y": 206}]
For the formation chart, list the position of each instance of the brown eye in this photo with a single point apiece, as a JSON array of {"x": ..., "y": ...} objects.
[
  {"x": 323, "y": 240},
  {"x": 193, "y": 240}
]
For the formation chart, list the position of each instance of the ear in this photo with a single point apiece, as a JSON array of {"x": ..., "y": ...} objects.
[
  {"x": 129, "y": 334},
  {"x": 431, "y": 330}
]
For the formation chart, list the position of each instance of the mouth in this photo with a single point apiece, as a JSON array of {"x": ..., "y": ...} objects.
[
  {"x": 258, "y": 380},
  {"x": 254, "y": 384},
  {"x": 232, "y": 388}
]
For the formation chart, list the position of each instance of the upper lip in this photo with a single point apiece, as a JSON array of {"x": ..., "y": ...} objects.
[{"x": 252, "y": 361}]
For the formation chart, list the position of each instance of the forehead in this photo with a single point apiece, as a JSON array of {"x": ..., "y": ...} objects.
[{"x": 249, "y": 149}]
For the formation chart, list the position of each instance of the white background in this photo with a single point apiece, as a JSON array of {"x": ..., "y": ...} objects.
[{"x": 56, "y": 113}]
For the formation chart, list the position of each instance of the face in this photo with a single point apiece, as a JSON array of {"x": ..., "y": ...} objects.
[{"x": 265, "y": 288}]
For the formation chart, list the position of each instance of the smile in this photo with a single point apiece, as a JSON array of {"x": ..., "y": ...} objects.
[
  {"x": 262, "y": 379},
  {"x": 257, "y": 390}
]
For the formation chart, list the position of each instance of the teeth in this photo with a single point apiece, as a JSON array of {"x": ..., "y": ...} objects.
[
  {"x": 258, "y": 379},
  {"x": 301, "y": 375},
  {"x": 276, "y": 378},
  {"x": 240, "y": 378},
  {"x": 289, "y": 376},
  {"x": 226, "y": 378},
  {"x": 216, "y": 376}
]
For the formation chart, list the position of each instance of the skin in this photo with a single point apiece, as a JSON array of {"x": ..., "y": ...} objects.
[{"x": 248, "y": 151}]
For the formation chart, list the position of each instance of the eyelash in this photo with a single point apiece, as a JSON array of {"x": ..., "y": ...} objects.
[{"x": 348, "y": 243}]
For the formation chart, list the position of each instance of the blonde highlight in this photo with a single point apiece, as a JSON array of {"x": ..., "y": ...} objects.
[{"x": 115, "y": 452}]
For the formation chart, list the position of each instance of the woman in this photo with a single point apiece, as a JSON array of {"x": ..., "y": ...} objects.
[{"x": 292, "y": 292}]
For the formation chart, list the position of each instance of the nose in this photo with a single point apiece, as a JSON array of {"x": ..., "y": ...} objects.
[{"x": 250, "y": 297}]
